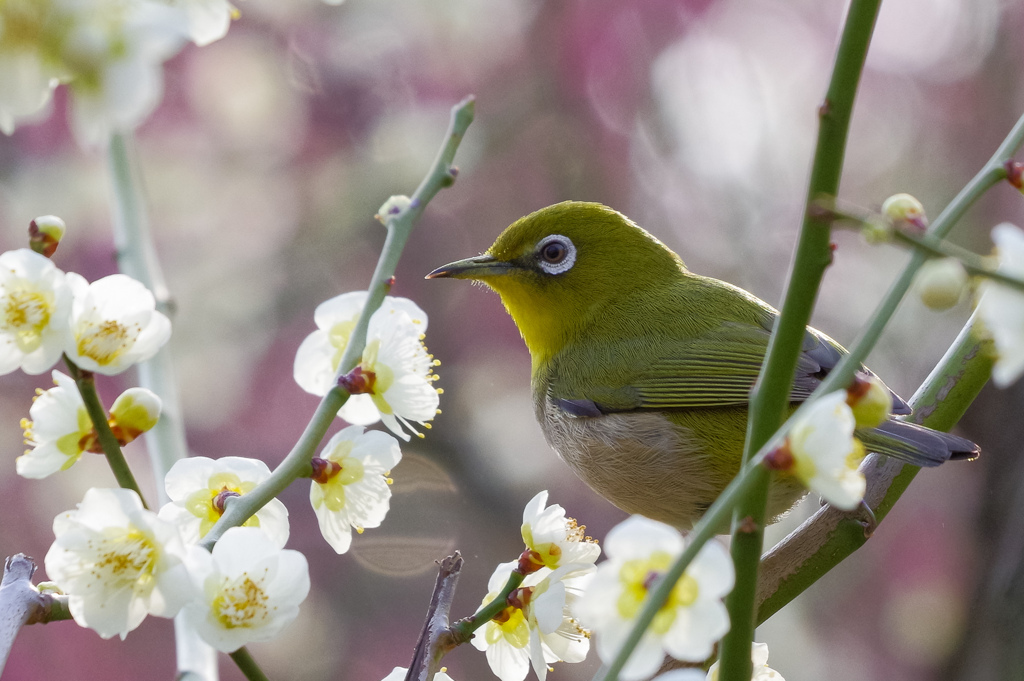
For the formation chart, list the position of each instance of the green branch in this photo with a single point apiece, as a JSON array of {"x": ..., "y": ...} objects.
[
  {"x": 769, "y": 399},
  {"x": 441, "y": 174},
  {"x": 247, "y": 665},
  {"x": 86, "y": 382}
]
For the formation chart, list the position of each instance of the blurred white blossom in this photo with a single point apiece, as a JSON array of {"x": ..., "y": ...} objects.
[
  {"x": 350, "y": 483},
  {"x": 118, "y": 562},
  {"x": 114, "y": 324},
  {"x": 395, "y": 369},
  {"x": 941, "y": 283},
  {"x": 35, "y": 301},
  {"x": 250, "y": 589},
  {"x": 199, "y": 487},
  {"x": 639, "y": 552},
  {"x": 537, "y": 627},
  {"x": 109, "y": 52},
  {"x": 1001, "y": 307}
]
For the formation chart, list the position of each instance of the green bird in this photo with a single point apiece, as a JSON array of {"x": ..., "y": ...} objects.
[{"x": 642, "y": 370}]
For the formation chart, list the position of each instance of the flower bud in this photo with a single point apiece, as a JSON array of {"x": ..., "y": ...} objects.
[
  {"x": 392, "y": 207},
  {"x": 869, "y": 399},
  {"x": 906, "y": 209},
  {"x": 133, "y": 413},
  {"x": 45, "y": 233},
  {"x": 941, "y": 283}
]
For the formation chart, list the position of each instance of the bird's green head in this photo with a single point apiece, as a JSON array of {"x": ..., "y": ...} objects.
[{"x": 557, "y": 268}]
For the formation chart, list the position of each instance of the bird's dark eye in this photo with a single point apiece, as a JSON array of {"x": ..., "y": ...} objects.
[{"x": 556, "y": 254}]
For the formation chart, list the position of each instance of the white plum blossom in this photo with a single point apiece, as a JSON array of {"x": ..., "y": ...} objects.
[
  {"x": 118, "y": 562},
  {"x": 350, "y": 483},
  {"x": 109, "y": 52},
  {"x": 395, "y": 370},
  {"x": 198, "y": 488},
  {"x": 35, "y": 304},
  {"x": 60, "y": 430},
  {"x": 825, "y": 453},
  {"x": 759, "y": 656},
  {"x": 537, "y": 627},
  {"x": 114, "y": 324},
  {"x": 1001, "y": 307},
  {"x": 553, "y": 539},
  {"x": 250, "y": 589},
  {"x": 398, "y": 674},
  {"x": 639, "y": 552}
]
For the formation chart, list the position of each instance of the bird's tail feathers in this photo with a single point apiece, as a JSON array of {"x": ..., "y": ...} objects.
[{"x": 917, "y": 445}]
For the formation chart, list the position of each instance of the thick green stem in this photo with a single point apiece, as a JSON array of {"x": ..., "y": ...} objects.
[
  {"x": 247, "y": 665},
  {"x": 296, "y": 464},
  {"x": 86, "y": 382},
  {"x": 769, "y": 398}
]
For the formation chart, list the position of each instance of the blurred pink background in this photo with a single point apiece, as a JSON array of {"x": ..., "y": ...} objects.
[{"x": 274, "y": 147}]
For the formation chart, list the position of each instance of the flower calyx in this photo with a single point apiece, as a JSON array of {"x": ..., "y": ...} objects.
[
  {"x": 1015, "y": 173},
  {"x": 323, "y": 469},
  {"x": 780, "y": 459},
  {"x": 359, "y": 381},
  {"x": 220, "y": 500}
]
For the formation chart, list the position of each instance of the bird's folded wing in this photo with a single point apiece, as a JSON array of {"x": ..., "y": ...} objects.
[{"x": 715, "y": 369}]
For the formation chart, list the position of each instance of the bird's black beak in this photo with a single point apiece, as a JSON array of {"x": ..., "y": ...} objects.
[{"x": 477, "y": 267}]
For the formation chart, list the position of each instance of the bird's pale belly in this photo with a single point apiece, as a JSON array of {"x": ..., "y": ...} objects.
[{"x": 644, "y": 463}]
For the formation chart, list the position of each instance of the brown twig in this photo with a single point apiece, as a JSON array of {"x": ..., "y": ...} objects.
[{"x": 433, "y": 642}]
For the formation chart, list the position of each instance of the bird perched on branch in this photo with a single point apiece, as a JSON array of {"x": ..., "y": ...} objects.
[{"x": 641, "y": 370}]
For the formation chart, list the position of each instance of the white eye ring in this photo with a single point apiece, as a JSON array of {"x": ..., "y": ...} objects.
[{"x": 556, "y": 254}]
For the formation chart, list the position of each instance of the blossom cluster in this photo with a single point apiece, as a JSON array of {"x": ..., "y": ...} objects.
[
  {"x": 109, "y": 52},
  {"x": 104, "y": 327},
  {"x": 119, "y": 562}
]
